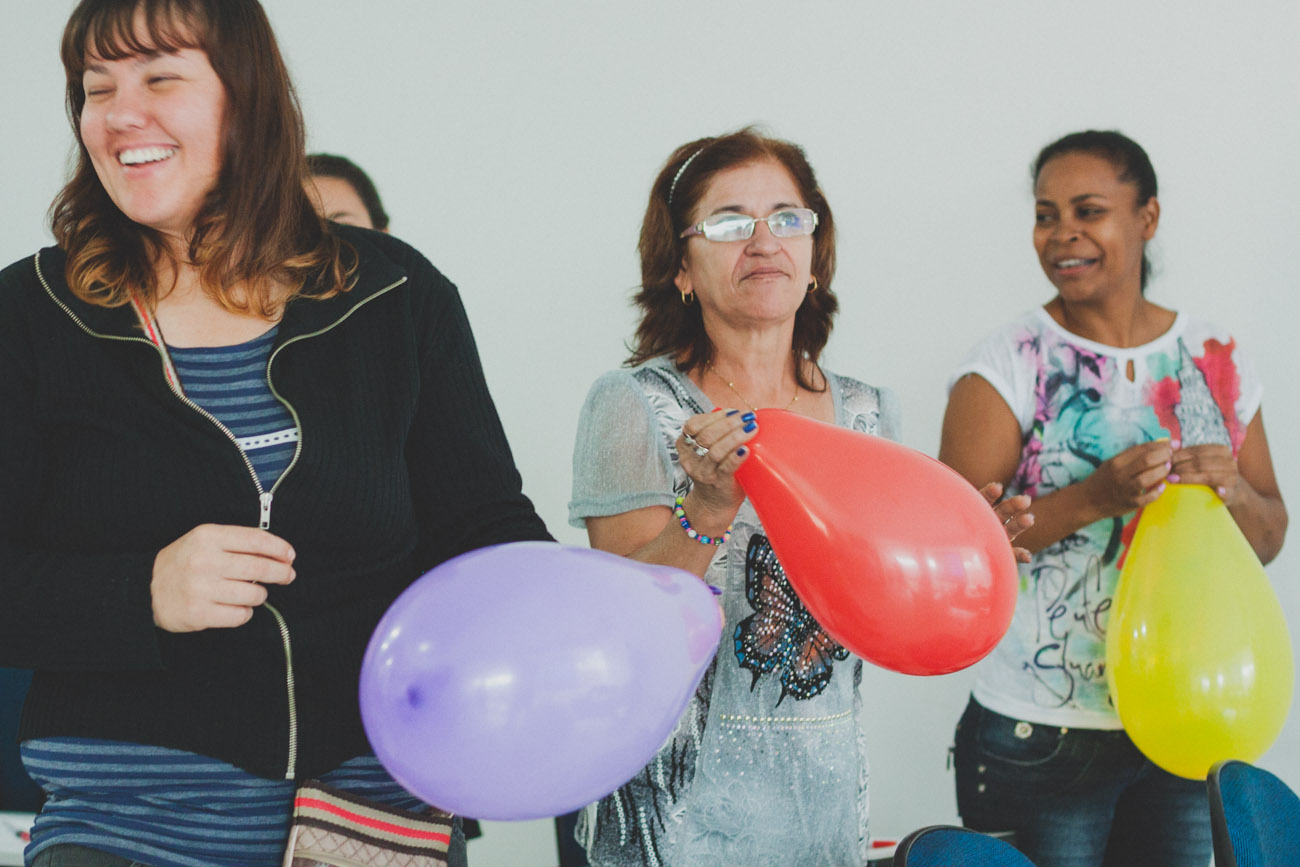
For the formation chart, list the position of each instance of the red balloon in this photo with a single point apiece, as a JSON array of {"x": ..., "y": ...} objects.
[{"x": 898, "y": 557}]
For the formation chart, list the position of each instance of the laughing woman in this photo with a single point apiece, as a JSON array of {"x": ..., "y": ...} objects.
[
  {"x": 231, "y": 435},
  {"x": 1091, "y": 404}
]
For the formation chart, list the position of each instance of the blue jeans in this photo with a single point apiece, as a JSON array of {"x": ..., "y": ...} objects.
[{"x": 1077, "y": 797}]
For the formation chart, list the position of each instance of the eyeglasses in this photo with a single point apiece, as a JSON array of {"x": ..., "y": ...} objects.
[{"x": 786, "y": 223}]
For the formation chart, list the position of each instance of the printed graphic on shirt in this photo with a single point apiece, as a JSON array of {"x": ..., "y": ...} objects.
[
  {"x": 738, "y": 780},
  {"x": 781, "y": 635},
  {"x": 1086, "y": 412}
]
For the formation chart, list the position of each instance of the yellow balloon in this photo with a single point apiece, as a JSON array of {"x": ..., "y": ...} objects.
[{"x": 1197, "y": 648}]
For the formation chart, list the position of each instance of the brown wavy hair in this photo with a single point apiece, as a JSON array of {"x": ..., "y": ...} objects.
[
  {"x": 257, "y": 228},
  {"x": 669, "y": 327}
]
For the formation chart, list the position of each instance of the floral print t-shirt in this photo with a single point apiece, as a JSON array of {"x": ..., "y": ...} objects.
[{"x": 1077, "y": 407}]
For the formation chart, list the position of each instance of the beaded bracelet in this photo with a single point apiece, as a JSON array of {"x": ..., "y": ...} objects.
[{"x": 680, "y": 514}]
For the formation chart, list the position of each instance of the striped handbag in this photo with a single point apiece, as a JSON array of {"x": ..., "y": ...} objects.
[{"x": 333, "y": 828}]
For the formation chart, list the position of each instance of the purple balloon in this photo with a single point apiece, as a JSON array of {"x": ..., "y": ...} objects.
[{"x": 526, "y": 680}]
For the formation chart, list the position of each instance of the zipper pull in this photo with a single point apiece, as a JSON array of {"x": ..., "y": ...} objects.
[{"x": 264, "y": 522}]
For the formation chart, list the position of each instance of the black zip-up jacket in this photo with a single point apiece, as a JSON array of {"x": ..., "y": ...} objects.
[{"x": 402, "y": 464}]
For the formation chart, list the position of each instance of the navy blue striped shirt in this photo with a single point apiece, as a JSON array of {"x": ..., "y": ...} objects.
[
  {"x": 171, "y": 807},
  {"x": 230, "y": 382}
]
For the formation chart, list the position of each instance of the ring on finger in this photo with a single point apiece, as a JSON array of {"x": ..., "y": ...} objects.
[{"x": 695, "y": 444}]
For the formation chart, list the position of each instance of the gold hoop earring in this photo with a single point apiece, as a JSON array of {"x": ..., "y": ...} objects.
[
  {"x": 688, "y": 298},
  {"x": 812, "y": 287}
]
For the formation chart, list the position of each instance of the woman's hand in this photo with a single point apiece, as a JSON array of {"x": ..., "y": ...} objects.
[
  {"x": 212, "y": 576},
  {"x": 1130, "y": 480},
  {"x": 710, "y": 449},
  {"x": 1014, "y": 514},
  {"x": 1211, "y": 465}
]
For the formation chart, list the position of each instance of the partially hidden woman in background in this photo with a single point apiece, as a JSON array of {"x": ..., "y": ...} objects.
[
  {"x": 1091, "y": 404},
  {"x": 767, "y": 765},
  {"x": 344, "y": 193},
  {"x": 232, "y": 434}
]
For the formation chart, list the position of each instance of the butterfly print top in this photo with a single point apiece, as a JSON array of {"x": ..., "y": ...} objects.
[
  {"x": 1077, "y": 407},
  {"x": 767, "y": 765}
]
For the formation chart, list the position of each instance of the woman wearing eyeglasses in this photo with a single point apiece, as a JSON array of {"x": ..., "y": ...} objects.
[
  {"x": 767, "y": 765},
  {"x": 1091, "y": 404}
]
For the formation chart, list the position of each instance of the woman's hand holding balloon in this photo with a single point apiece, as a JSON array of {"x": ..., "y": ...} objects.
[
  {"x": 710, "y": 449},
  {"x": 1245, "y": 483},
  {"x": 1211, "y": 465},
  {"x": 1014, "y": 514},
  {"x": 212, "y": 576},
  {"x": 1131, "y": 479}
]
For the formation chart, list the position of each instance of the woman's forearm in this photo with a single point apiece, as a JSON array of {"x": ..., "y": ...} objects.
[
  {"x": 1057, "y": 515},
  {"x": 1261, "y": 519}
]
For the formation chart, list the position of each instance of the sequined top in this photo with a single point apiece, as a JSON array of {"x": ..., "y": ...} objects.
[{"x": 768, "y": 764}]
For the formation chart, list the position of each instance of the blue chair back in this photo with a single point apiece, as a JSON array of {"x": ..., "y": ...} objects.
[
  {"x": 1255, "y": 817},
  {"x": 949, "y": 846}
]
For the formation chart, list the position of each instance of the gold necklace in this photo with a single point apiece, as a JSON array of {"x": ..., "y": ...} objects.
[{"x": 743, "y": 399}]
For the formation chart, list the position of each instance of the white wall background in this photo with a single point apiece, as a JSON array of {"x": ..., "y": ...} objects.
[{"x": 514, "y": 143}]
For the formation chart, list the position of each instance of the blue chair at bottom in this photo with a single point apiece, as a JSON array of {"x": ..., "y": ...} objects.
[
  {"x": 950, "y": 846},
  {"x": 1254, "y": 816}
]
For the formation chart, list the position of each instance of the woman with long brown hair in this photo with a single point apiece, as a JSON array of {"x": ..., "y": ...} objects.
[{"x": 232, "y": 434}]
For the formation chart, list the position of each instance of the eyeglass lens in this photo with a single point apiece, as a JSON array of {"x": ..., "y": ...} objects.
[{"x": 788, "y": 223}]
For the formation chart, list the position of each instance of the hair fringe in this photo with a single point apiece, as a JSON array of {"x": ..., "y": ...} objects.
[{"x": 257, "y": 241}]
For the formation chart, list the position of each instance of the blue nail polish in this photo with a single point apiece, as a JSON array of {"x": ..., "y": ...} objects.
[
  {"x": 732, "y": 412},
  {"x": 717, "y": 591},
  {"x": 750, "y": 427},
  {"x": 749, "y": 416},
  {"x": 742, "y": 451}
]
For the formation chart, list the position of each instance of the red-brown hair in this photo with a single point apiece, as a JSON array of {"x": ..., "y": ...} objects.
[
  {"x": 670, "y": 327},
  {"x": 257, "y": 228}
]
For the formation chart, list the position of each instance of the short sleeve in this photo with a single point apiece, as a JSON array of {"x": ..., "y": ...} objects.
[
  {"x": 1002, "y": 361},
  {"x": 620, "y": 462},
  {"x": 1251, "y": 395},
  {"x": 891, "y": 415}
]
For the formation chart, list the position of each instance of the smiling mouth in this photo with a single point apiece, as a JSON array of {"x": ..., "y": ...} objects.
[
  {"x": 1066, "y": 264},
  {"x": 143, "y": 156}
]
